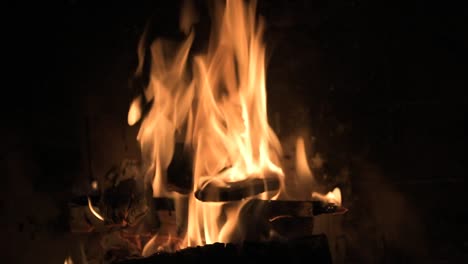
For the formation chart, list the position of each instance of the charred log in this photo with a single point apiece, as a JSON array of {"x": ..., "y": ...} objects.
[
  {"x": 287, "y": 219},
  {"x": 311, "y": 248},
  {"x": 214, "y": 191},
  {"x": 270, "y": 212}
]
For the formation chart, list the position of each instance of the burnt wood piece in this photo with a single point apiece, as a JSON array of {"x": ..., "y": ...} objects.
[
  {"x": 288, "y": 219},
  {"x": 277, "y": 208},
  {"x": 269, "y": 208},
  {"x": 213, "y": 192},
  {"x": 236, "y": 191},
  {"x": 159, "y": 203},
  {"x": 311, "y": 248},
  {"x": 123, "y": 202}
]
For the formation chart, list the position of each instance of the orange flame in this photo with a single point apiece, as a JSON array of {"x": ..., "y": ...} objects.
[
  {"x": 68, "y": 260},
  {"x": 333, "y": 197},
  {"x": 218, "y": 109},
  {"x": 302, "y": 166}
]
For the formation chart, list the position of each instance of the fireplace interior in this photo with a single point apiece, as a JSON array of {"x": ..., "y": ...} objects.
[{"x": 375, "y": 90}]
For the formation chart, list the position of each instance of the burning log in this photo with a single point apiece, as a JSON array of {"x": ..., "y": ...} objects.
[
  {"x": 258, "y": 218},
  {"x": 314, "y": 248},
  {"x": 279, "y": 208},
  {"x": 287, "y": 219},
  {"x": 222, "y": 191},
  {"x": 268, "y": 208}
]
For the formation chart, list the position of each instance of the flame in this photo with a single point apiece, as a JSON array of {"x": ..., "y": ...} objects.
[
  {"x": 333, "y": 197},
  {"x": 216, "y": 104},
  {"x": 93, "y": 211},
  {"x": 305, "y": 182},
  {"x": 94, "y": 185},
  {"x": 68, "y": 260},
  {"x": 149, "y": 246},
  {"x": 302, "y": 166},
  {"x": 221, "y": 109},
  {"x": 134, "y": 113}
]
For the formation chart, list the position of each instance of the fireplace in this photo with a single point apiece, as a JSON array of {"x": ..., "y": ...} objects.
[
  {"x": 212, "y": 168},
  {"x": 365, "y": 94}
]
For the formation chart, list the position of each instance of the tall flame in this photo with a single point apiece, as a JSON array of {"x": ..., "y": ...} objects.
[{"x": 216, "y": 105}]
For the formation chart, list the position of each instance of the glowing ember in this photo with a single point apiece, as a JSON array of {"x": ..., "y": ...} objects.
[{"x": 217, "y": 106}]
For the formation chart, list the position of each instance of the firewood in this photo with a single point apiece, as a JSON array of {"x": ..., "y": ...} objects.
[
  {"x": 214, "y": 191},
  {"x": 310, "y": 248},
  {"x": 270, "y": 208},
  {"x": 288, "y": 219},
  {"x": 276, "y": 208}
]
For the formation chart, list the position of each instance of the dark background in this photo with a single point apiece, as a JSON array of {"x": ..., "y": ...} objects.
[{"x": 379, "y": 85}]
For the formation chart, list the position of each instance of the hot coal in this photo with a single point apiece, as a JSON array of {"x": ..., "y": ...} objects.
[{"x": 311, "y": 248}]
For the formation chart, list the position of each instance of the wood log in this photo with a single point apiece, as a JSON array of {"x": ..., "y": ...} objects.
[
  {"x": 257, "y": 217},
  {"x": 278, "y": 208},
  {"x": 269, "y": 208},
  {"x": 287, "y": 219},
  {"x": 310, "y": 248},
  {"x": 216, "y": 191}
]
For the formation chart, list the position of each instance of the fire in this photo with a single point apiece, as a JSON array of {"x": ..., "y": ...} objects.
[
  {"x": 302, "y": 166},
  {"x": 68, "y": 260},
  {"x": 134, "y": 114},
  {"x": 93, "y": 211},
  {"x": 333, "y": 197},
  {"x": 215, "y": 103}
]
